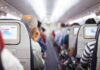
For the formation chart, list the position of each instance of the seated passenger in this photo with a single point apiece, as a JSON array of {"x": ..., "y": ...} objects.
[
  {"x": 66, "y": 41},
  {"x": 58, "y": 40},
  {"x": 38, "y": 60},
  {"x": 64, "y": 47},
  {"x": 7, "y": 60},
  {"x": 88, "y": 52},
  {"x": 70, "y": 60}
]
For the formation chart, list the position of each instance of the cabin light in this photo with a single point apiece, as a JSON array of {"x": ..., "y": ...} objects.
[
  {"x": 1, "y": 7},
  {"x": 12, "y": 16},
  {"x": 61, "y": 7},
  {"x": 39, "y": 7}
]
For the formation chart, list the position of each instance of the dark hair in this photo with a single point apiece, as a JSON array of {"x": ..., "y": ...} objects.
[
  {"x": 39, "y": 24},
  {"x": 75, "y": 24},
  {"x": 90, "y": 21},
  {"x": 63, "y": 25},
  {"x": 43, "y": 29}
]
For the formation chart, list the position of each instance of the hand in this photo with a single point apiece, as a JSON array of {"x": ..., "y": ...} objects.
[{"x": 65, "y": 63}]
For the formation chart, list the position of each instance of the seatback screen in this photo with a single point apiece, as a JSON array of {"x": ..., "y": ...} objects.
[
  {"x": 89, "y": 32},
  {"x": 10, "y": 32}
]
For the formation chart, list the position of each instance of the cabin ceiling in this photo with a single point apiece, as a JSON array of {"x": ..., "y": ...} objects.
[{"x": 24, "y": 7}]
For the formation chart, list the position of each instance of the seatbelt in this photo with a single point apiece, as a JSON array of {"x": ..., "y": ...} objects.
[
  {"x": 77, "y": 41},
  {"x": 94, "y": 56}
]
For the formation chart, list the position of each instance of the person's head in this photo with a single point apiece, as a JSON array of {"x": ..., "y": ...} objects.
[
  {"x": 77, "y": 24},
  {"x": 39, "y": 24},
  {"x": 35, "y": 34},
  {"x": 63, "y": 25},
  {"x": 72, "y": 51},
  {"x": 43, "y": 29},
  {"x": 90, "y": 21}
]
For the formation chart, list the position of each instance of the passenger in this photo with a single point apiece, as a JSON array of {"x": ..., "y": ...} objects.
[
  {"x": 38, "y": 60},
  {"x": 64, "y": 50},
  {"x": 58, "y": 40},
  {"x": 88, "y": 52},
  {"x": 7, "y": 60},
  {"x": 42, "y": 42},
  {"x": 70, "y": 61},
  {"x": 43, "y": 35},
  {"x": 53, "y": 35},
  {"x": 66, "y": 42}
]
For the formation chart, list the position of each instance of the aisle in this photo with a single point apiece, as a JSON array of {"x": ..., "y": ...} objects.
[{"x": 52, "y": 60}]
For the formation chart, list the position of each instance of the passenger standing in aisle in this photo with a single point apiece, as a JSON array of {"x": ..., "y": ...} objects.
[
  {"x": 38, "y": 60},
  {"x": 42, "y": 42}
]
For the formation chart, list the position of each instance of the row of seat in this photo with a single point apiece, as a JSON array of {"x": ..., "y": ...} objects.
[
  {"x": 17, "y": 40},
  {"x": 85, "y": 34}
]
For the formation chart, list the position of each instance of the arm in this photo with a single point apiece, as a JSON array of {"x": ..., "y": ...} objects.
[
  {"x": 86, "y": 55},
  {"x": 10, "y": 62}
]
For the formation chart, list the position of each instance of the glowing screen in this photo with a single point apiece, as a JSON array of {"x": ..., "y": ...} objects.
[
  {"x": 9, "y": 32},
  {"x": 90, "y": 32}
]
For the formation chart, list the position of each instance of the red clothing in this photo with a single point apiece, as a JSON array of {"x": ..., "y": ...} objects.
[
  {"x": 1, "y": 42},
  {"x": 53, "y": 34},
  {"x": 43, "y": 36}
]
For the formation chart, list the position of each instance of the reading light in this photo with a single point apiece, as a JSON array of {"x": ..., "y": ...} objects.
[
  {"x": 61, "y": 7},
  {"x": 39, "y": 7}
]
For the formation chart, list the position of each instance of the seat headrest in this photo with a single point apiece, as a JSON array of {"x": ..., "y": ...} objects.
[{"x": 90, "y": 21}]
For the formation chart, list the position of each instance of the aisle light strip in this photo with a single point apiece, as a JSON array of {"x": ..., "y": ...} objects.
[
  {"x": 39, "y": 7},
  {"x": 61, "y": 7}
]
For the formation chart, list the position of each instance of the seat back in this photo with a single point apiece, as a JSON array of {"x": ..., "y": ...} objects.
[
  {"x": 73, "y": 35},
  {"x": 85, "y": 35},
  {"x": 17, "y": 40},
  {"x": 98, "y": 48}
]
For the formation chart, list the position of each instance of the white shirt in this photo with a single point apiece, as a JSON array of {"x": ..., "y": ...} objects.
[
  {"x": 9, "y": 61},
  {"x": 37, "y": 49}
]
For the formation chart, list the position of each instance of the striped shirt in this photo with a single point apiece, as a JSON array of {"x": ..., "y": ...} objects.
[{"x": 87, "y": 54}]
